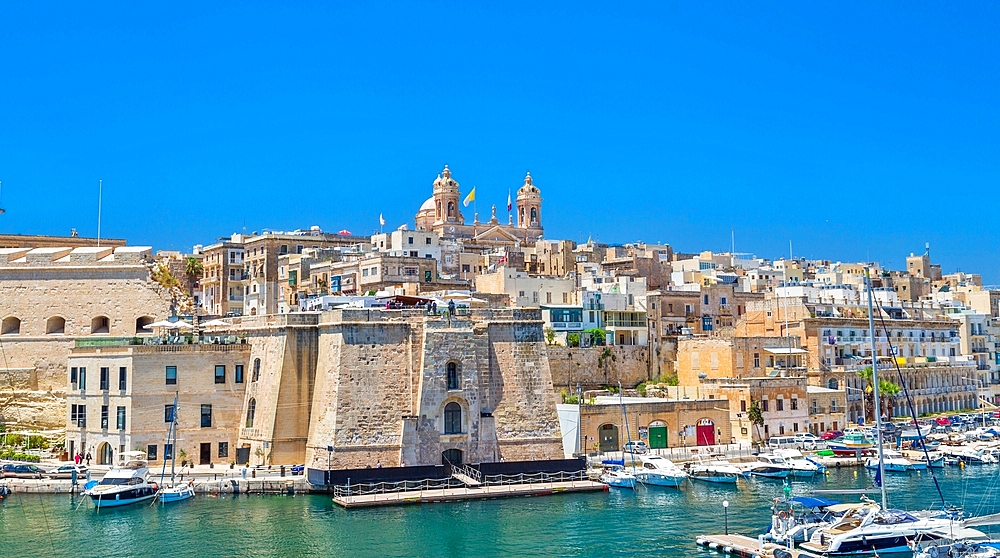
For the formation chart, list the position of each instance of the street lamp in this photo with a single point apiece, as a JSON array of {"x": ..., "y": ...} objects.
[
  {"x": 864, "y": 415},
  {"x": 725, "y": 510}
]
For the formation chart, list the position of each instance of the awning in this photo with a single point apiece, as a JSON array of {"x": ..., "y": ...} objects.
[{"x": 785, "y": 351}]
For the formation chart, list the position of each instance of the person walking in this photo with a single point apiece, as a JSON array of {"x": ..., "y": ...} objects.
[{"x": 88, "y": 459}]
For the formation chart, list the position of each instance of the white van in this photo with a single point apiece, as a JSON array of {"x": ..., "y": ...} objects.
[{"x": 782, "y": 442}]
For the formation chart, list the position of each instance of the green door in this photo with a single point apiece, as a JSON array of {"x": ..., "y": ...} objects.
[{"x": 657, "y": 437}]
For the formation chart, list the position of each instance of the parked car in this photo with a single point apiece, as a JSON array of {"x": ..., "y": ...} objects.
[
  {"x": 831, "y": 435},
  {"x": 23, "y": 472},
  {"x": 807, "y": 440},
  {"x": 66, "y": 472},
  {"x": 635, "y": 447}
]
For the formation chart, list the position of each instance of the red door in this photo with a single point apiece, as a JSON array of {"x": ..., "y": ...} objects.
[{"x": 706, "y": 432}]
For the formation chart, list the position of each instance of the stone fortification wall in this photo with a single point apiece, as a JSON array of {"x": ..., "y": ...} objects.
[
  {"x": 571, "y": 366},
  {"x": 56, "y": 294},
  {"x": 521, "y": 395}
]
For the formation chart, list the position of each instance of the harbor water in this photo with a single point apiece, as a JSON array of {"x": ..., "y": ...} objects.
[{"x": 645, "y": 522}]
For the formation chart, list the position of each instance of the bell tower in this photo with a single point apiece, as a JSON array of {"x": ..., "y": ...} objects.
[
  {"x": 446, "y": 197},
  {"x": 529, "y": 205}
]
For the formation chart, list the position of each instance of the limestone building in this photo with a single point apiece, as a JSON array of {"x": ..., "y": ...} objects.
[
  {"x": 120, "y": 397},
  {"x": 51, "y": 296},
  {"x": 355, "y": 388}
]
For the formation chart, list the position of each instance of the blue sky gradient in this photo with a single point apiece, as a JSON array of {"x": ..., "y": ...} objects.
[{"x": 857, "y": 130}]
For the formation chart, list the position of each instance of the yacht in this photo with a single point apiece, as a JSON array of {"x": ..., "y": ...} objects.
[
  {"x": 767, "y": 466},
  {"x": 124, "y": 484},
  {"x": 717, "y": 471},
  {"x": 798, "y": 465},
  {"x": 972, "y": 456},
  {"x": 794, "y": 519},
  {"x": 894, "y": 462},
  {"x": 659, "y": 471},
  {"x": 618, "y": 477},
  {"x": 873, "y": 530}
]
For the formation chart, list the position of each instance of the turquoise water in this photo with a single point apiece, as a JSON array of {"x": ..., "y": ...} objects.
[{"x": 646, "y": 522}]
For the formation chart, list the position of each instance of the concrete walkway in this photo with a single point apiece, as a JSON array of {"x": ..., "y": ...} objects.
[{"x": 458, "y": 494}]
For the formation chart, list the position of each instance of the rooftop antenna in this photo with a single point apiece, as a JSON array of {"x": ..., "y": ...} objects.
[
  {"x": 100, "y": 194},
  {"x": 2, "y": 210}
]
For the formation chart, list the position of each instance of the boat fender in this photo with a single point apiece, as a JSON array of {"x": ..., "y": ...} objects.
[
  {"x": 155, "y": 487},
  {"x": 728, "y": 550}
]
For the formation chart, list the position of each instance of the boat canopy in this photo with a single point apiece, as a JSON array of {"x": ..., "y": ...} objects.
[{"x": 811, "y": 502}]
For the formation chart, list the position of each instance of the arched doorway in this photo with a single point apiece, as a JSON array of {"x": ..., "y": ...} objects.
[
  {"x": 105, "y": 455},
  {"x": 657, "y": 434},
  {"x": 608, "y": 436},
  {"x": 706, "y": 432}
]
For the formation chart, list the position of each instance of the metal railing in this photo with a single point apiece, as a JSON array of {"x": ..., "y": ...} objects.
[{"x": 490, "y": 484}]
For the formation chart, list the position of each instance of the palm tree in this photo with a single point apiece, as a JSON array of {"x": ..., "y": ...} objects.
[
  {"x": 887, "y": 391},
  {"x": 193, "y": 268}
]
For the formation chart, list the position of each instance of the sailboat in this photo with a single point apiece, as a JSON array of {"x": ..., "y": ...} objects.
[
  {"x": 174, "y": 492},
  {"x": 617, "y": 475}
]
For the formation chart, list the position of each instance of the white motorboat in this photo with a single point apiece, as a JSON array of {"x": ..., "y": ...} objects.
[
  {"x": 872, "y": 530},
  {"x": 793, "y": 520},
  {"x": 893, "y": 462},
  {"x": 125, "y": 484},
  {"x": 767, "y": 465},
  {"x": 618, "y": 477},
  {"x": 716, "y": 471},
  {"x": 970, "y": 455},
  {"x": 965, "y": 543},
  {"x": 659, "y": 471},
  {"x": 798, "y": 465}
]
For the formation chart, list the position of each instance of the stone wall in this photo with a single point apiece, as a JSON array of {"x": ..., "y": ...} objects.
[
  {"x": 76, "y": 288},
  {"x": 572, "y": 366}
]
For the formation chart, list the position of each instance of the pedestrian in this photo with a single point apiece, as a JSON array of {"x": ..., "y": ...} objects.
[
  {"x": 378, "y": 464},
  {"x": 451, "y": 307},
  {"x": 76, "y": 458},
  {"x": 88, "y": 459},
  {"x": 434, "y": 307}
]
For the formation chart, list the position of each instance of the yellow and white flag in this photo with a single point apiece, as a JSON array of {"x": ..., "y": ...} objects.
[{"x": 470, "y": 198}]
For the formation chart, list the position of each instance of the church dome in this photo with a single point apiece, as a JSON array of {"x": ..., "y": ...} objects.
[
  {"x": 427, "y": 205},
  {"x": 528, "y": 189}
]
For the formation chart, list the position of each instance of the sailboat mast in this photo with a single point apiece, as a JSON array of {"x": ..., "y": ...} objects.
[{"x": 878, "y": 412}]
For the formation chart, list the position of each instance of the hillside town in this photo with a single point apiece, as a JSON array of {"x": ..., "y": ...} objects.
[{"x": 467, "y": 339}]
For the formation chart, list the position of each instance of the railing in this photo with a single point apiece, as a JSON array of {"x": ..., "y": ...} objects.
[
  {"x": 157, "y": 341},
  {"x": 625, "y": 323},
  {"x": 409, "y": 487},
  {"x": 472, "y": 473}
]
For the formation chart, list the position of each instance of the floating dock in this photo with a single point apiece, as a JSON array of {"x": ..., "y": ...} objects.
[
  {"x": 404, "y": 497},
  {"x": 746, "y": 547}
]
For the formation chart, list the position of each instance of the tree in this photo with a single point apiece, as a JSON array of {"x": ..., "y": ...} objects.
[
  {"x": 597, "y": 335},
  {"x": 602, "y": 361},
  {"x": 572, "y": 339},
  {"x": 550, "y": 336},
  {"x": 193, "y": 268},
  {"x": 887, "y": 391},
  {"x": 755, "y": 416}
]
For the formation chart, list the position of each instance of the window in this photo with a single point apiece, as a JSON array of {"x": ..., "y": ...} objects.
[
  {"x": 795, "y": 404},
  {"x": 171, "y": 375},
  {"x": 239, "y": 374},
  {"x": 251, "y": 409},
  {"x": 151, "y": 452},
  {"x": 833, "y": 384},
  {"x": 409, "y": 240},
  {"x": 122, "y": 378},
  {"x": 78, "y": 415},
  {"x": 83, "y": 378},
  {"x": 223, "y": 449},
  {"x": 168, "y": 413},
  {"x": 427, "y": 241},
  {"x": 780, "y": 405},
  {"x": 72, "y": 377},
  {"x": 452, "y": 375},
  {"x": 206, "y": 416},
  {"x": 743, "y": 405},
  {"x": 104, "y": 417},
  {"x": 706, "y": 299},
  {"x": 220, "y": 373},
  {"x": 105, "y": 380},
  {"x": 452, "y": 418},
  {"x": 764, "y": 405},
  {"x": 256, "y": 370},
  {"x": 120, "y": 422},
  {"x": 168, "y": 451}
]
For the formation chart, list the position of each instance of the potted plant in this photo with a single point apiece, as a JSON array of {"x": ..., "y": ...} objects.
[{"x": 183, "y": 455}]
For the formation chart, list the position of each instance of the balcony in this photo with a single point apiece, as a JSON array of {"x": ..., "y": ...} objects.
[
  {"x": 625, "y": 323},
  {"x": 567, "y": 326}
]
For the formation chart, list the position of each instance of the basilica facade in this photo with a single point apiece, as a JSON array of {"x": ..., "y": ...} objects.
[{"x": 442, "y": 213}]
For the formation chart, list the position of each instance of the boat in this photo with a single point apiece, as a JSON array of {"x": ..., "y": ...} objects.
[
  {"x": 968, "y": 543},
  {"x": 767, "y": 466},
  {"x": 618, "y": 477},
  {"x": 174, "y": 492},
  {"x": 713, "y": 470},
  {"x": 124, "y": 484},
  {"x": 894, "y": 462},
  {"x": 794, "y": 519},
  {"x": 657, "y": 470},
  {"x": 851, "y": 444},
  {"x": 799, "y": 465},
  {"x": 970, "y": 455}
]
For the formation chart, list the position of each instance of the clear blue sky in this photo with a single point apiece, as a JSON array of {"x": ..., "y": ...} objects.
[{"x": 856, "y": 129}]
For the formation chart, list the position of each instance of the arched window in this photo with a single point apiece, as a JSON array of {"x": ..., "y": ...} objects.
[
  {"x": 452, "y": 375},
  {"x": 141, "y": 323},
  {"x": 100, "y": 324},
  {"x": 833, "y": 384},
  {"x": 452, "y": 418},
  {"x": 451, "y": 209},
  {"x": 534, "y": 215},
  {"x": 256, "y": 370},
  {"x": 56, "y": 325},
  {"x": 11, "y": 326},
  {"x": 251, "y": 409}
]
